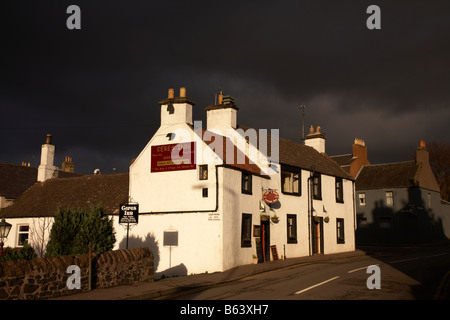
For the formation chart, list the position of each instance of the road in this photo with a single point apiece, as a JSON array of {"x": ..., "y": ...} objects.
[{"x": 406, "y": 273}]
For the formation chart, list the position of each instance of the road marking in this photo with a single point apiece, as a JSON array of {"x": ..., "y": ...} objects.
[
  {"x": 417, "y": 258},
  {"x": 351, "y": 271},
  {"x": 436, "y": 255},
  {"x": 316, "y": 285}
]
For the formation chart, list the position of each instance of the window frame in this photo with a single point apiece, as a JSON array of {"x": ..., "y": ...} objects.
[
  {"x": 202, "y": 169},
  {"x": 318, "y": 195},
  {"x": 243, "y": 180},
  {"x": 339, "y": 191},
  {"x": 391, "y": 197},
  {"x": 359, "y": 199},
  {"x": 19, "y": 233},
  {"x": 292, "y": 171},
  {"x": 292, "y": 230},
  {"x": 340, "y": 230},
  {"x": 246, "y": 230}
]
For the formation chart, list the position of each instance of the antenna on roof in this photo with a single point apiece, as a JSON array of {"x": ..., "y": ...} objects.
[{"x": 303, "y": 121}]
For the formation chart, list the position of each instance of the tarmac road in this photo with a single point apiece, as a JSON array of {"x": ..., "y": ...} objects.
[{"x": 406, "y": 273}]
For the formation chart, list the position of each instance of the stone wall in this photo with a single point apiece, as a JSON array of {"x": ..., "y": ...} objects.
[{"x": 46, "y": 277}]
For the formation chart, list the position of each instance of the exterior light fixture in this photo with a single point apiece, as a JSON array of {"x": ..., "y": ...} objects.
[{"x": 5, "y": 227}]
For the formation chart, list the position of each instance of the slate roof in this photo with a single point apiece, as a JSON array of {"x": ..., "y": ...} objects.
[
  {"x": 44, "y": 198},
  {"x": 390, "y": 175},
  {"x": 301, "y": 156}
]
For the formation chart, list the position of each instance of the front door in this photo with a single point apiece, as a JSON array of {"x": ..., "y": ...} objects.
[
  {"x": 265, "y": 240},
  {"x": 317, "y": 235}
]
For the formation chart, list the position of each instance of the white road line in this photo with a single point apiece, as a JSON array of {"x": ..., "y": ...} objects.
[
  {"x": 437, "y": 255},
  {"x": 316, "y": 285},
  {"x": 351, "y": 271},
  {"x": 417, "y": 258}
]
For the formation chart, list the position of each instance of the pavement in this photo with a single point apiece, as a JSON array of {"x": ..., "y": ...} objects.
[{"x": 171, "y": 286}]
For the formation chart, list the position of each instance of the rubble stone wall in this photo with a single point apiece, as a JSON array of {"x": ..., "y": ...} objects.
[{"x": 44, "y": 278}]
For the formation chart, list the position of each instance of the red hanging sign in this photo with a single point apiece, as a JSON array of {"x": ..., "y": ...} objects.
[{"x": 270, "y": 196}]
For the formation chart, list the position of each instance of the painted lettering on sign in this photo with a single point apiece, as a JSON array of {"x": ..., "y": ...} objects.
[{"x": 173, "y": 157}]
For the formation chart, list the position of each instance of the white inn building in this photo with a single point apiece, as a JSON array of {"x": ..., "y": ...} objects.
[{"x": 208, "y": 214}]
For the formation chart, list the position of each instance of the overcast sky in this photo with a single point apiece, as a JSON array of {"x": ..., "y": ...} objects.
[{"x": 96, "y": 89}]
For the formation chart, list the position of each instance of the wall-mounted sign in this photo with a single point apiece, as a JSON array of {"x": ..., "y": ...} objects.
[
  {"x": 270, "y": 196},
  {"x": 173, "y": 157},
  {"x": 128, "y": 213},
  {"x": 170, "y": 238}
]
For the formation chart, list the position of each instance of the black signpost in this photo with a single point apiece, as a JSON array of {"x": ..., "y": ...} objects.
[{"x": 128, "y": 214}]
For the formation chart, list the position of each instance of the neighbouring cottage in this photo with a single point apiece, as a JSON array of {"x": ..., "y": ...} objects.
[
  {"x": 399, "y": 202},
  {"x": 35, "y": 194},
  {"x": 202, "y": 209}
]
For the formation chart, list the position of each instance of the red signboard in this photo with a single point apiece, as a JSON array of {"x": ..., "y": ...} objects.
[
  {"x": 270, "y": 196},
  {"x": 173, "y": 157}
]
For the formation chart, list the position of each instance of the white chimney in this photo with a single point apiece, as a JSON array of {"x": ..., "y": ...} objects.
[
  {"x": 222, "y": 116},
  {"x": 315, "y": 139},
  {"x": 176, "y": 110},
  {"x": 46, "y": 169}
]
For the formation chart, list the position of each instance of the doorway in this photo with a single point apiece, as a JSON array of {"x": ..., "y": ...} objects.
[
  {"x": 317, "y": 235},
  {"x": 263, "y": 243}
]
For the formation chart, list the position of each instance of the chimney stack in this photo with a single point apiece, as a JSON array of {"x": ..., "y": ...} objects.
[
  {"x": 46, "y": 169},
  {"x": 316, "y": 139},
  {"x": 68, "y": 165},
  {"x": 223, "y": 115},
  {"x": 360, "y": 156},
  {"x": 176, "y": 110}
]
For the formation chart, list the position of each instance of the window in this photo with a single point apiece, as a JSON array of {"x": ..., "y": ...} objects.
[
  {"x": 23, "y": 235},
  {"x": 290, "y": 180},
  {"x": 205, "y": 192},
  {"x": 317, "y": 186},
  {"x": 291, "y": 228},
  {"x": 203, "y": 172},
  {"x": 339, "y": 190},
  {"x": 362, "y": 222},
  {"x": 362, "y": 199},
  {"x": 340, "y": 230},
  {"x": 389, "y": 198},
  {"x": 246, "y": 183},
  {"x": 385, "y": 222},
  {"x": 246, "y": 231}
]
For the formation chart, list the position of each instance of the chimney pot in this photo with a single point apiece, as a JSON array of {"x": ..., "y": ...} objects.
[
  {"x": 48, "y": 139},
  {"x": 311, "y": 129},
  {"x": 220, "y": 101},
  {"x": 422, "y": 143},
  {"x": 171, "y": 93},
  {"x": 318, "y": 129},
  {"x": 182, "y": 92}
]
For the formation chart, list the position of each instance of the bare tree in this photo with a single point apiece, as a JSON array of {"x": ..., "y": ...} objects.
[
  {"x": 440, "y": 164},
  {"x": 39, "y": 234}
]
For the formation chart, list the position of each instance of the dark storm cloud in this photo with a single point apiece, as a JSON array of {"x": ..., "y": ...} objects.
[{"x": 96, "y": 89}]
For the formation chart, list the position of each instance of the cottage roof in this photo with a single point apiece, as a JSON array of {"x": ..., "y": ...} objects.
[
  {"x": 44, "y": 198},
  {"x": 390, "y": 175},
  {"x": 15, "y": 179}
]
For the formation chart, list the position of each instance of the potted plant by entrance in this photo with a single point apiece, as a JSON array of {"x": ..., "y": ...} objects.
[
  {"x": 255, "y": 259},
  {"x": 274, "y": 219},
  {"x": 316, "y": 219},
  {"x": 264, "y": 217}
]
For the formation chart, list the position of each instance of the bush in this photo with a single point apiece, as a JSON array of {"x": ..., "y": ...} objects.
[
  {"x": 24, "y": 253},
  {"x": 73, "y": 231}
]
